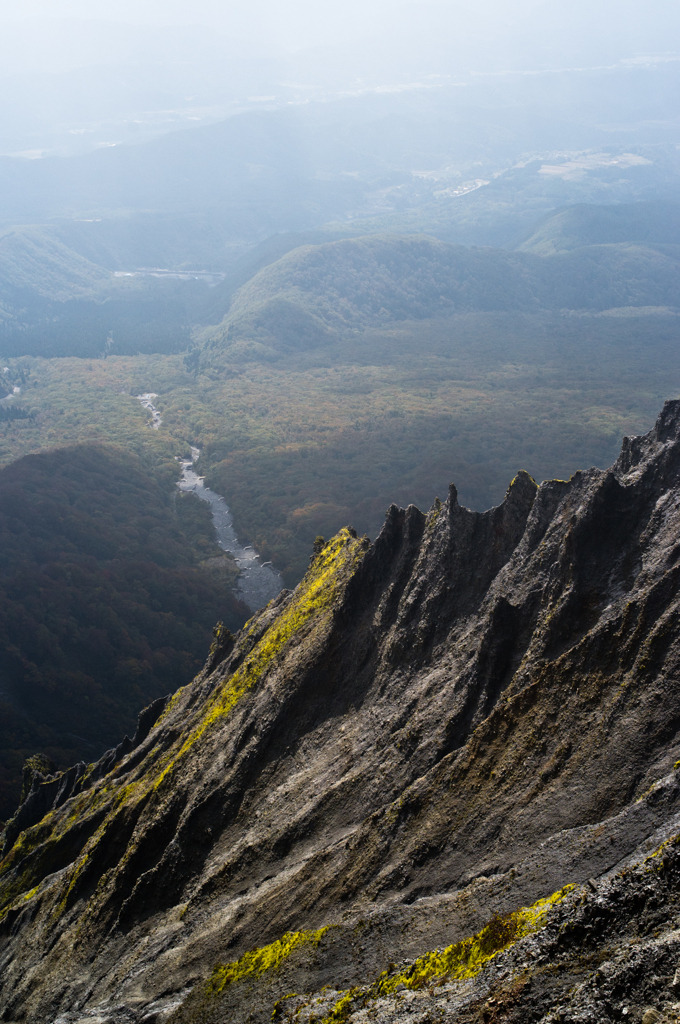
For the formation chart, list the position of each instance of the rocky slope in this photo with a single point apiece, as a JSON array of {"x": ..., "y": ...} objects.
[{"x": 437, "y": 780}]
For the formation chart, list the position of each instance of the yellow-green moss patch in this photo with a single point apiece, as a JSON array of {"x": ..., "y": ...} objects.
[
  {"x": 313, "y": 598},
  {"x": 343, "y": 1007},
  {"x": 258, "y": 961},
  {"x": 459, "y": 962},
  {"x": 310, "y": 608},
  {"x": 466, "y": 958},
  {"x": 656, "y": 855},
  {"x": 23, "y": 898}
]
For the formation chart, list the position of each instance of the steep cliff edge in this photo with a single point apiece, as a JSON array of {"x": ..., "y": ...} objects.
[{"x": 450, "y": 724}]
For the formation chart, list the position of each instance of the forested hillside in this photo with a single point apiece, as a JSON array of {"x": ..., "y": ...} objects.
[
  {"x": 59, "y": 295},
  {"x": 315, "y": 293},
  {"x": 590, "y": 224},
  {"x": 105, "y": 601},
  {"x": 55, "y": 301},
  {"x": 149, "y": 320}
]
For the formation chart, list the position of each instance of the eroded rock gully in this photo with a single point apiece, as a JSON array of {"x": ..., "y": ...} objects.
[{"x": 429, "y": 733}]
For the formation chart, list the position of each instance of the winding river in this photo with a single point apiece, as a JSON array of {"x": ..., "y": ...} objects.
[{"x": 259, "y": 581}]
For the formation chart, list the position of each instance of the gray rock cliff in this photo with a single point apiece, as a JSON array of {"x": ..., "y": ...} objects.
[{"x": 438, "y": 778}]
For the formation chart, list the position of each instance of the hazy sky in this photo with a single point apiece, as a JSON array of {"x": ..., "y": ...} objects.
[
  {"x": 292, "y": 24},
  {"x": 434, "y": 35},
  {"x": 297, "y": 24}
]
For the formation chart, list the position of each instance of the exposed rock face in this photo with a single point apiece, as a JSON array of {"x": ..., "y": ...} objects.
[{"x": 455, "y": 722}]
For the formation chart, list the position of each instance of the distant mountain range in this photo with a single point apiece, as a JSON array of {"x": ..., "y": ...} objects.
[
  {"x": 588, "y": 258},
  {"x": 59, "y": 296}
]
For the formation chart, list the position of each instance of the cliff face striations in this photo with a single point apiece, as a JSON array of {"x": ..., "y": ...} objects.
[{"x": 361, "y": 791}]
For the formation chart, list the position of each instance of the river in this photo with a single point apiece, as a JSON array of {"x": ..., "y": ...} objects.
[{"x": 259, "y": 581}]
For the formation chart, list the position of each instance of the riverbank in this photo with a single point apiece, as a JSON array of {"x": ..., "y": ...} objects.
[{"x": 258, "y": 582}]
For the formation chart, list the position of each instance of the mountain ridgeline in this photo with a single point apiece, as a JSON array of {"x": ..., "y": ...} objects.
[
  {"x": 298, "y": 291},
  {"x": 439, "y": 777},
  {"x": 315, "y": 294}
]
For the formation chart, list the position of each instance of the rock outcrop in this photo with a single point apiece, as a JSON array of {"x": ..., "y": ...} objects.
[{"x": 439, "y": 778}]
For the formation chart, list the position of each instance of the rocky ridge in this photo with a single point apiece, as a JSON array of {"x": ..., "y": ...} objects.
[{"x": 355, "y": 799}]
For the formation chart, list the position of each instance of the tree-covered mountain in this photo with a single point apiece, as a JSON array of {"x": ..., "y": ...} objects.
[
  {"x": 106, "y": 601},
  {"x": 156, "y": 318},
  {"x": 315, "y": 294},
  {"x": 58, "y": 295},
  {"x": 590, "y": 224},
  {"x": 35, "y": 258},
  {"x": 54, "y": 301},
  {"x": 474, "y": 161}
]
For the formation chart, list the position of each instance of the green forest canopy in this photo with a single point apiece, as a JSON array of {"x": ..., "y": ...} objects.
[{"x": 106, "y": 601}]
